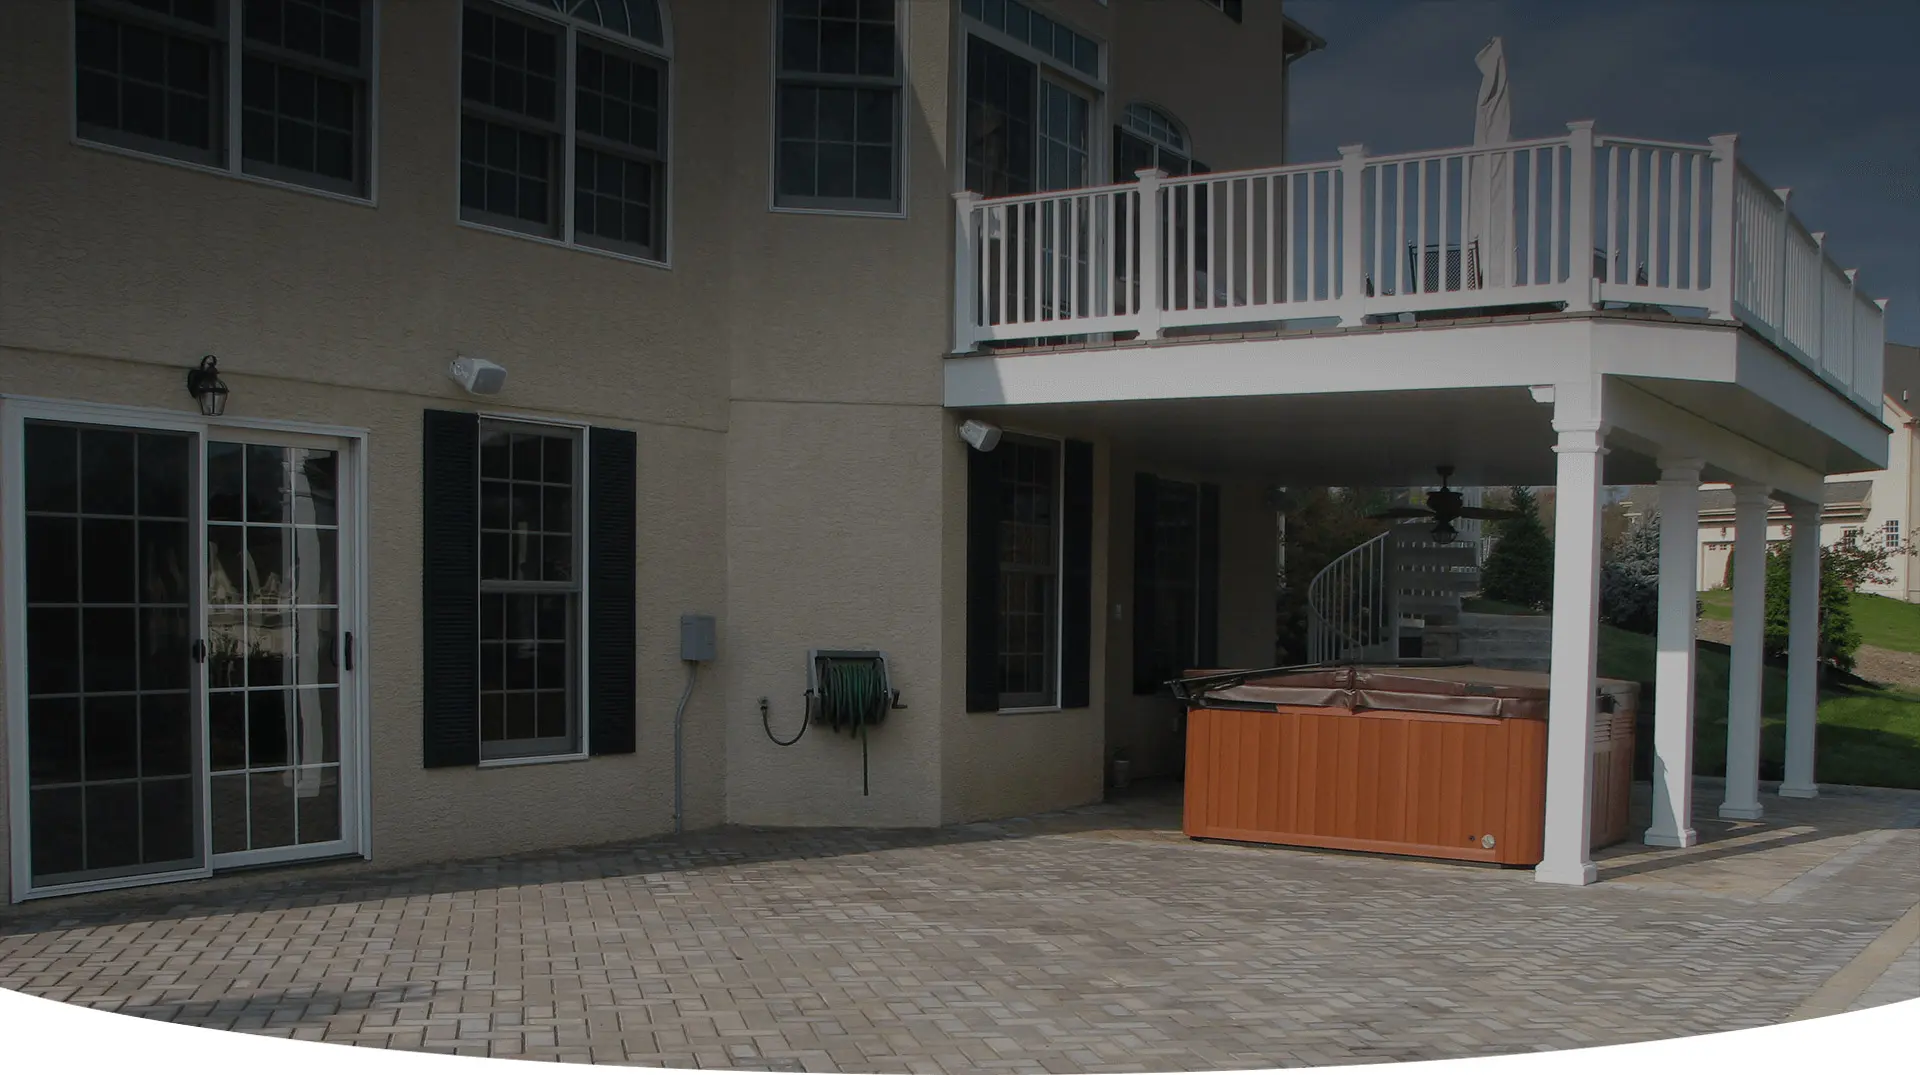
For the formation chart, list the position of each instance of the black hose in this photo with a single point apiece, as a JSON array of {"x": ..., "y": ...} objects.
[{"x": 766, "y": 721}]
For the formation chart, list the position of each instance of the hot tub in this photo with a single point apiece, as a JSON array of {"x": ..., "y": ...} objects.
[{"x": 1435, "y": 761}]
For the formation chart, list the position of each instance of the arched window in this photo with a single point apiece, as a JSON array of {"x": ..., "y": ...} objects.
[
  {"x": 594, "y": 177},
  {"x": 1147, "y": 137}
]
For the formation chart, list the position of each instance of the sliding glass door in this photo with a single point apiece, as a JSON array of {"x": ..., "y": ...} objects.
[
  {"x": 112, "y": 746},
  {"x": 182, "y": 602}
]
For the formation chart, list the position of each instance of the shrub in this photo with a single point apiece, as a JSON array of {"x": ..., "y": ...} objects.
[{"x": 1630, "y": 579}]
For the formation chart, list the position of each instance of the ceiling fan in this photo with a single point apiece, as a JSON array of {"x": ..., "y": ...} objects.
[{"x": 1444, "y": 505}]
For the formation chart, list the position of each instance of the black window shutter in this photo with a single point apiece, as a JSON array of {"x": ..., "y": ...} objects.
[
  {"x": 612, "y": 702},
  {"x": 1076, "y": 580},
  {"x": 983, "y": 582},
  {"x": 450, "y": 585},
  {"x": 1208, "y": 599},
  {"x": 1146, "y": 513}
]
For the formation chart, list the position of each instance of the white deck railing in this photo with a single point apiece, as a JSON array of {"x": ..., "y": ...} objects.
[{"x": 1569, "y": 222}]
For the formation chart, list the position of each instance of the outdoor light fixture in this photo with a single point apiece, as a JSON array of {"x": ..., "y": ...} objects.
[
  {"x": 205, "y": 385},
  {"x": 1445, "y": 533}
]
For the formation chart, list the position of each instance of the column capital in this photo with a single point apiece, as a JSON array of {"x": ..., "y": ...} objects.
[
  {"x": 1747, "y": 494},
  {"x": 1681, "y": 469},
  {"x": 1581, "y": 436},
  {"x": 1803, "y": 511}
]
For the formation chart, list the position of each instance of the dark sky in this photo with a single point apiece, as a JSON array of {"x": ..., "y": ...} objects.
[{"x": 1825, "y": 97}]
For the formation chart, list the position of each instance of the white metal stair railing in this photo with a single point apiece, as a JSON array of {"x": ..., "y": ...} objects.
[
  {"x": 1359, "y": 604},
  {"x": 1350, "y": 608}
]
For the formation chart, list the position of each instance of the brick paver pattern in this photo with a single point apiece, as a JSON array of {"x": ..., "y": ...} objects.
[{"x": 1092, "y": 940}]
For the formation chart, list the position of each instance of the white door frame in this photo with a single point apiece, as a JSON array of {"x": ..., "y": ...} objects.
[{"x": 15, "y": 411}]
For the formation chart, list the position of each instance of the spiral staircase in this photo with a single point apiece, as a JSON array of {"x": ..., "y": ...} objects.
[{"x": 1394, "y": 596}]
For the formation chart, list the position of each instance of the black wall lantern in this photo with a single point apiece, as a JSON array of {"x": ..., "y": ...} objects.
[{"x": 205, "y": 385}]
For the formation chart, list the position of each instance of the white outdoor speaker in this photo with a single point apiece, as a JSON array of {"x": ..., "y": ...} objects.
[
  {"x": 478, "y": 376},
  {"x": 980, "y": 435}
]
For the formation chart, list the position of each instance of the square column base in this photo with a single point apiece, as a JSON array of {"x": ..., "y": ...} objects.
[
  {"x": 1741, "y": 813},
  {"x": 1686, "y": 838},
  {"x": 1575, "y": 873},
  {"x": 1809, "y": 791}
]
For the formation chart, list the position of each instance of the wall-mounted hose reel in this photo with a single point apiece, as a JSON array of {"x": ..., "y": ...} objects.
[{"x": 847, "y": 690}]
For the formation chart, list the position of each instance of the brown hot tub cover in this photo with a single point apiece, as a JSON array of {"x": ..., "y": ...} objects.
[{"x": 1463, "y": 689}]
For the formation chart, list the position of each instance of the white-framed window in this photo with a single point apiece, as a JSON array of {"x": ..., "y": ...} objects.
[
  {"x": 1230, "y": 8},
  {"x": 1850, "y": 535},
  {"x": 1030, "y": 552},
  {"x": 532, "y": 582},
  {"x": 564, "y": 129},
  {"x": 840, "y": 77},
  {"x": 1890, "y": 533},
  {"x": 1033, "y": 86},
  {"x": 280, "y": 90}
]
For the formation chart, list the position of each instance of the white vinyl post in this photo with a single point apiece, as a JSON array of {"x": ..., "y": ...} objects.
[
  {"x": 1580, "y": 281},
  {"x": 1749, "y": 636},
  {"x": 1784, "y": 295},
  {"x": 1725, "y": 171},
  {"x": 966, "y": 271},
  {"x": 1353, "y": 270},
  {"x": 1148, "y": 239},
  {"x": 1672, "y": 824},
  {"x": 1803, "y": 652},
  {"x": 1567, "y": 857}
]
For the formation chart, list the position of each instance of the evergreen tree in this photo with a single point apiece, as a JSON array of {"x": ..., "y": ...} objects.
[
  {"x": 1519, "y": 570},
  {"x": 1630, "y": 579}
]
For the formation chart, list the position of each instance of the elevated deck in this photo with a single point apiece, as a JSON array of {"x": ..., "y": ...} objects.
[{"x": 1529, "y": 230}]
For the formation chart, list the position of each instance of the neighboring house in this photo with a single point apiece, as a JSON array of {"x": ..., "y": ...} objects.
[
  {"x": 748, "y": 267},
  {"x": 1877, "y": 509}
]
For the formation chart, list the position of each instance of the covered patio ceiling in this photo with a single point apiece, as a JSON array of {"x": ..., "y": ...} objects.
[{"x": 1491, "y": 436}]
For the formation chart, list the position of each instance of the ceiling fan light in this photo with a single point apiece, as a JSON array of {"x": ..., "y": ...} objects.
[{"x": 1444, "y": 533}]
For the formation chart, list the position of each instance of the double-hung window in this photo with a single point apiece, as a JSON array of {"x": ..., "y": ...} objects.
[
  {"x": 1890, "y": 533},
  {"x": 1029, "y": 653},
  {"x": 275, "y": 89},
  {"x": 837, "y": 123},
  {"x": 528, "y": 572},
  {"x": 564, "y": 130},
  {"x": 530, "y": 585}
]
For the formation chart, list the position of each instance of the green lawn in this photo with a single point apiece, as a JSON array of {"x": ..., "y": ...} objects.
[
  {"x": 1866, "y": 736},
  {"x": 1881, "y": 621}
]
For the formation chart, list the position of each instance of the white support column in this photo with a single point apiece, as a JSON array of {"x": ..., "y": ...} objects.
[
  {"x": 1749, "y": 636},
  {"x": 1674, "y": 665},
  {"x": 1567, "y": 858},
  {"x": 1803, "y": 652}
]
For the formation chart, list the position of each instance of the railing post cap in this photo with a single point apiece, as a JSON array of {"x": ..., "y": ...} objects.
[
  {"x": 1819, "y": 237},
  {"x": 965, "y": 196},
  {"x": 1783, "y": 193},
  {"x": 1882, "y": 303},
  {"x": 1580, "y": 125},
  {"x": 1151, "y": 173},
  {"x": 1354, "y": 149},
  {"x": 1851, "y": 274}
]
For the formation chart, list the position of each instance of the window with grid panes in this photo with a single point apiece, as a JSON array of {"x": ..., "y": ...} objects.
[
  {"x": 838, "y": 106},
  {"x": 157, "y": 75},
  {"x": 530, "y": 587},
  {"x": 1029, "y": 572},
  {"x": 1890, "y": 533},
  {"x": 593, "y": 177}
]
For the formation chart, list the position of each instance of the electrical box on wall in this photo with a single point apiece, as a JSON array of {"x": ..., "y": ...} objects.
[{"x": 696, "y": 637}]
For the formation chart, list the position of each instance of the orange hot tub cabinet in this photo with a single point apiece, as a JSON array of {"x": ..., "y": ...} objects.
[{"x": 1441, "y": 762}]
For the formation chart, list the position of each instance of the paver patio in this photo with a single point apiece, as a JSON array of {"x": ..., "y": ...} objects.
[{"x": 1096, "y": 939}]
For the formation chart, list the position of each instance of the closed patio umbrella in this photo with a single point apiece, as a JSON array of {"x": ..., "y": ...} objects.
[{"x": 1489, "y": 194}]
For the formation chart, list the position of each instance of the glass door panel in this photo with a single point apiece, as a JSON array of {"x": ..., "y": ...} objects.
[
  {"x": 111, "y": 738},
  {"x": 273, "y": 571}
]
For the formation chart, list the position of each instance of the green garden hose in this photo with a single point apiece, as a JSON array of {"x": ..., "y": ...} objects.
[{"x": 853, "y": 695}]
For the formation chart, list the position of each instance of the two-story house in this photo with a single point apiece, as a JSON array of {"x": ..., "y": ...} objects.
[{"x": 291, "y": 572}]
